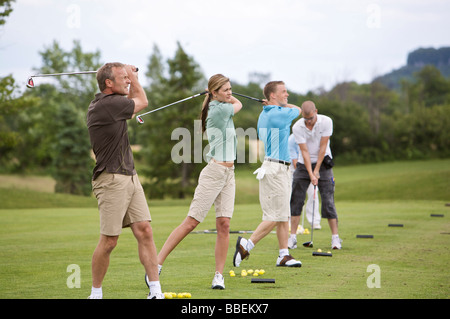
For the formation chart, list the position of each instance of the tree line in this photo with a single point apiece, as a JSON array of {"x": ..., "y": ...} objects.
[{"x": 44, "y": 129}]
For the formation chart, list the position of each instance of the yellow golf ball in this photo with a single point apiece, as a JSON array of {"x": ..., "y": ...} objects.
[{"x": 167, "y": 295}]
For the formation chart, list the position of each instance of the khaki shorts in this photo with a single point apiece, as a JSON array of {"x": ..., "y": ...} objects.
[
  {"x": 275, "y": 192},
  {"x": 121, "y": 202},
  {"x": 216, "y": 185}
]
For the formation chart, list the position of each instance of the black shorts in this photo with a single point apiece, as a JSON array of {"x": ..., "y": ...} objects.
[{"x": 300, "y": 185}]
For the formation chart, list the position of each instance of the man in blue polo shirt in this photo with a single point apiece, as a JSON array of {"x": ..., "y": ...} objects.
[{"x": 274, "y": 181}]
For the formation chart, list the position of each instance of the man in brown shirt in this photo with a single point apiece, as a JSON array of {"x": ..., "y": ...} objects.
[{"x": 121, "y": 198}]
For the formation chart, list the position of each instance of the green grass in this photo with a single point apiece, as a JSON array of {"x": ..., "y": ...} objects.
[{"x": 44, "y": 233}]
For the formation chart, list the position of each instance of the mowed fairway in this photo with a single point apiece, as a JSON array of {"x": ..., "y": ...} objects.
[{"x": 39, "y": 244}]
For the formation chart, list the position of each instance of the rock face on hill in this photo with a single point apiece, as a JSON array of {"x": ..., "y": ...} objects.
[{"x": 416, "y": 60}]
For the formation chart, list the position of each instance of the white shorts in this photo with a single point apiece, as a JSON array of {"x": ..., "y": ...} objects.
[
  {"x": 216, "y": 185},
  {"x": 275, "y": 192}
]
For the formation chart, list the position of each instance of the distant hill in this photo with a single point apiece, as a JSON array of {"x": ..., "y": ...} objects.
[{"x": 416, "y": 60}]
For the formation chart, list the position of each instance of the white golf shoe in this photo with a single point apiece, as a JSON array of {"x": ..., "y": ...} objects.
[
  {"x": 153, "y": 295},
  {"x": 292, "y": 242},
  {"x": 288, "y": 261},
  {"x": 218, "y": 281},
  {"x": 241, "y": 253},
  {"x": 336, "y": 242}
]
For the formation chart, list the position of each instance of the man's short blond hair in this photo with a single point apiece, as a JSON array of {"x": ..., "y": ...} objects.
[{"x": 271, "y": 87}]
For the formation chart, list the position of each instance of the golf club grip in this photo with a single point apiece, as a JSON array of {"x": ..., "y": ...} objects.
[{"x": 199, "y": 94}]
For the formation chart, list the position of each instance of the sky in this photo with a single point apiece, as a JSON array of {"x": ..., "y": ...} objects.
[{"x": 307, "y": 44}]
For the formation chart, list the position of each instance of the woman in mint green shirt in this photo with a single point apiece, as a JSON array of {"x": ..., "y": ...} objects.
[{"x": 216, "y": 183}]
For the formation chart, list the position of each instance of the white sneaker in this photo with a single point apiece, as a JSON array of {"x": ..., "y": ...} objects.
[
  {"x": 288, "y": 261},
  {"x": 95, "y": 297},
  {"x": 292, "y": 242},
  {"x": 336, "y": 242},
  {"x": 317, "y": 226},
  {"x": 154, "y": 295},
  {"x": 218, "y": 281}
]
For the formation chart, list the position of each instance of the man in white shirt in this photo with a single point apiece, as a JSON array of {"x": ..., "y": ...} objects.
[{"x": 312, "y": 133}]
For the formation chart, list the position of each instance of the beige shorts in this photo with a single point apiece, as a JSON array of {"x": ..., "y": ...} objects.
[
  {"x": 121, "y": 202},
  {"x": 216, "y": 185},
  {"x": 275, "y": 192}
]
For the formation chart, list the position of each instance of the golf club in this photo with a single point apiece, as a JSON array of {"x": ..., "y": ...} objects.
[
  {"x": 30, "y": 82},
  {"x": 303, "y": 219},
  {"x": 249, "y": 97},
  {"x": 214, "y": 231},
  {"x": 310, "y": 243},
  {"x": 141, "y": 121},
  {"x": 262, "y": 281},
  {"x": 316, "y": 253},
  {"x": 364, "y": 236}
]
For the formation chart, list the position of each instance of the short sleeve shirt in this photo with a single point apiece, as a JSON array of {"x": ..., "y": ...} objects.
[
  {"x": 294, "y": 150},
  {"x": 303, "y": 135},
  {"x": 221, "y": 132},
  {"x": 274, "y": 127},
  {"x": 108, "y": 131}
]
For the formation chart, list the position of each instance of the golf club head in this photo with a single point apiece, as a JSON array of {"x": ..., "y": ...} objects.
[
  {"x": 139, "y": 120},
  {"x": 30, "y": 83},
  {"x": 308, "y": 244}
]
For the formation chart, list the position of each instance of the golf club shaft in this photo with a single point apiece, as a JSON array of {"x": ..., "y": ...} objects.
[
  {"x": 30, "y": 81},
  {"x": 310, "y": 243},
  {"x": 313, "y": 213},
  {"x": 67, "y": 73},
  {"x": 248, "y": 97},
  {"x": 303, "y": 217},
  {"x": 162, "y": 107}
]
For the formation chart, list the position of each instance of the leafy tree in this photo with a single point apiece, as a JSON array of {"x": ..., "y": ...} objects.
[
  {"x": 37, "y": 130},
  {"x": 5, "y": 10},
  {"x": 79, "y": 88},
  {"x": 54, "y": 130},
  {"x": 11, "y": 107},
  {"x": 177, "y": 79},
  {"x": 434, "y": 88},
  {"x": 72, "y": 164}
]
